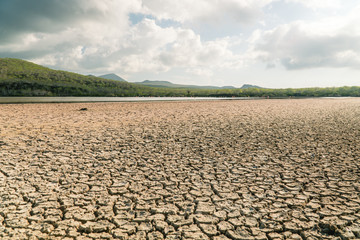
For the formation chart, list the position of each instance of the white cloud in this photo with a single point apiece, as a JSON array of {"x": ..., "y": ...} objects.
[
  {"x": 331, "y": 42},
  {"x": 242, "y": 11},
  {"x": 202, "y": 72},
  {"x": 152, "y": 48},
  {"x": 318, "y": 4}
]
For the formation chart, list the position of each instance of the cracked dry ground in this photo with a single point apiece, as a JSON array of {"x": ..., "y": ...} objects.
[{"x": 264, "y": 169}]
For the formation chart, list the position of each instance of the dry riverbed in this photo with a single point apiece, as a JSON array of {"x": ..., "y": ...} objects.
[{"x": 263, "y": 169}]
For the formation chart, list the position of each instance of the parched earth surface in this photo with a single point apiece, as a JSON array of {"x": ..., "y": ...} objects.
[{"x": 262, "y": 169}]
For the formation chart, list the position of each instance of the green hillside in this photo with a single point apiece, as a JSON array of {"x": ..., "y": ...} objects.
[{"x": 22, "y": 78}]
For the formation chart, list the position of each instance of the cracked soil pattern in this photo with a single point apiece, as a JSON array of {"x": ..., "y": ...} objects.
[{"x": 257, "y": 169}]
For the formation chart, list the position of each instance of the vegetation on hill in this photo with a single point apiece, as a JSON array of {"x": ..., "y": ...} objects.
[{"x": 22, "y": 78}]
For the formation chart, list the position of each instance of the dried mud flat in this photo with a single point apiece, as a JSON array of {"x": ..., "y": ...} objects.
[{"x": 264, "y": 169}]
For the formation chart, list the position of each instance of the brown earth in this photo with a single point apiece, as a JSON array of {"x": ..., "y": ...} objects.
[{"x": 262, "y": 169}]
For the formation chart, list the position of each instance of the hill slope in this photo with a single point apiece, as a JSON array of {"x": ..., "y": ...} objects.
[
  {"x": 23, "y": 78},
  {"x": 112, "y": 76}
]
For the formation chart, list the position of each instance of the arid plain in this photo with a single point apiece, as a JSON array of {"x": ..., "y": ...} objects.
[{"x": 253, "y": 169}]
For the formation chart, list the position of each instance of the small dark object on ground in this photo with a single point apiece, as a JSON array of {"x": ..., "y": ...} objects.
[{"x": 83, "y": 109}]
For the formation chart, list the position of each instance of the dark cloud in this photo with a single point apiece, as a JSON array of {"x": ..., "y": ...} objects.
[
  {"x": 18, "y": 17},
  {"x": 25, "y": 54}
]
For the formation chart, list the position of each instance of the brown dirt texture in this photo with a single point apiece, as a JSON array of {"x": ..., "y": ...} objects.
[{"x": 251, "y": 169}]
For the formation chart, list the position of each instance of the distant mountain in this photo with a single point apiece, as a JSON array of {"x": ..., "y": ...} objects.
[
  {"x": 167, "y": 84},
  {"x": 246, "y": 86},
  {"x": 112, "y": 76}
]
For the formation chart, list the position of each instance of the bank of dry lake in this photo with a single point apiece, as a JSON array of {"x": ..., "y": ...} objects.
[{"x": 257, "y": 169}]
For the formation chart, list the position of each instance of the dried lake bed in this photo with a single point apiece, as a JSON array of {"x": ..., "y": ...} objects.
[{"x": 256, "y": 169}]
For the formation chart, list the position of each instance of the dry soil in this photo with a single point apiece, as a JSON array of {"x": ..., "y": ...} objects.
[{"x": 256, "y": 169}]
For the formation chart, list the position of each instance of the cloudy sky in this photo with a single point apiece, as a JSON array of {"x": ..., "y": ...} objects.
[{"x": 271, "y": 43}]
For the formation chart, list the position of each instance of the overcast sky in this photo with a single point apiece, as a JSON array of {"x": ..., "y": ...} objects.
[{"x": 270, "y": 43}]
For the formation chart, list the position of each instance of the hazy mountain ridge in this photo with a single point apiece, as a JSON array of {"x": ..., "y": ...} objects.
[
  {"x": 112, "y": 76},
  {"x": 246, "y": 86},
  {"x": 167, "y": 84}
]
